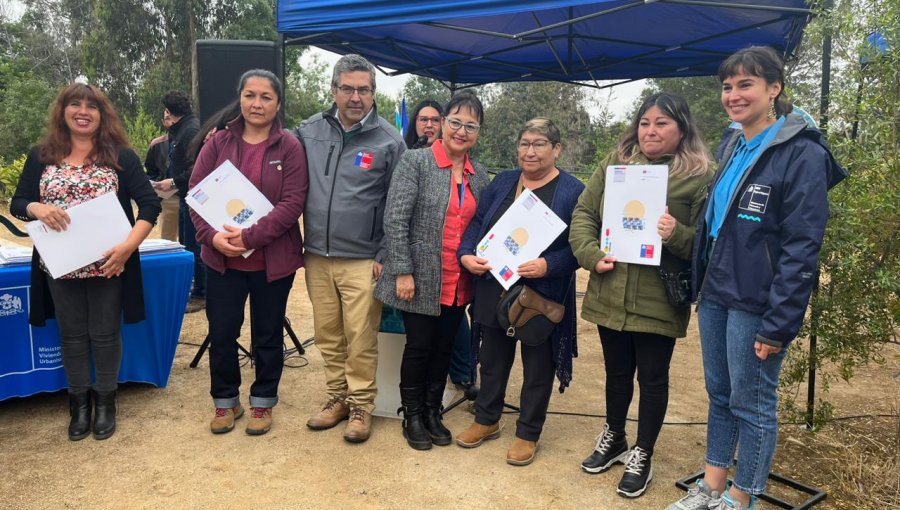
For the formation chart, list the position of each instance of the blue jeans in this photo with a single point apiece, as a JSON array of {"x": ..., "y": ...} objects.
[
  {"x": 461, "y": 359},
  {"x": 187, "y": 234},
  {"x": 743, "y": 395}
]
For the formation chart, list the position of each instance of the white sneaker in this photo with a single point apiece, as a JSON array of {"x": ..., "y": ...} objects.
[{"x": 699, "y": 497}]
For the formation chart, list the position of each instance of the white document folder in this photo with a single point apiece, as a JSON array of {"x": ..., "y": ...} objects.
[
  {"x": 525, "y": 230},
  {"x": 633, "y": 200},
  {"x": 97, "y": 225},
  {"x": 227, "y": 197}
]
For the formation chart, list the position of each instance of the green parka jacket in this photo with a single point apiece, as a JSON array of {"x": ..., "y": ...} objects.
[{"x": 632, "y": 297}]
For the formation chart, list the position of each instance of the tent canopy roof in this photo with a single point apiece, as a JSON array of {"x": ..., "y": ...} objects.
[{"x": 468, "y": 42}]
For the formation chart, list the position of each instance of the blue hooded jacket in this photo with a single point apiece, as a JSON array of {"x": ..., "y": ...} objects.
[{"x": 765, "y": 257}]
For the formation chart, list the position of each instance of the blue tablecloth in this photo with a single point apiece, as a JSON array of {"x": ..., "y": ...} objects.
[{"x": 30, "y": 357}]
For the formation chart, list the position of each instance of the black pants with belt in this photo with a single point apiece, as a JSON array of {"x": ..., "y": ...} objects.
[{"x": 498, "y": 352}]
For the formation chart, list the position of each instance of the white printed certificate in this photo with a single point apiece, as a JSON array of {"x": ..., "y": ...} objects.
[
  {"x": 97, "y": 225},
  {"x": 525, "y": 230},
  {"x": 226, "y": 197},
  {"x": 633, "y": 200}
]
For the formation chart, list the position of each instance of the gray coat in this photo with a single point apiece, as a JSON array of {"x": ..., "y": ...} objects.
[{"x": 413, "y": 226}]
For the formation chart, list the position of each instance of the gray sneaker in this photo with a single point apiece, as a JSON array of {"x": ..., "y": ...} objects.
[
  {"x": 699, "y": 497},
  {"x": 725, "y": 503}
]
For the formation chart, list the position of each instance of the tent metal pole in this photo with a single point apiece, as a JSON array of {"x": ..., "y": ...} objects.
[
  {"x": 814, "y": 313},
  {"x": 283, "y": 70},
  {"x": 730, "y": 5}
]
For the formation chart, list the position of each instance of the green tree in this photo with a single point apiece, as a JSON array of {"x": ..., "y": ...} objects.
[{"x": 419, "y": 88}]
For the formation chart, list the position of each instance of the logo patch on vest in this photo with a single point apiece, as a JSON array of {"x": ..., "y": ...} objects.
[{"x": 364, "y": 160}]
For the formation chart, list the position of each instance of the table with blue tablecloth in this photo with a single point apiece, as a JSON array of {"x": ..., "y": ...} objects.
[{"x": 30, "y": 357}]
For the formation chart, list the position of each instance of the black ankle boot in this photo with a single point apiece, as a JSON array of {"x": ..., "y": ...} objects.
[
  {"x": 80, "y": 411},
  {"x": 104, "y": 414},
  {"x": 434, "y": 395},
  {"x": 413, "y": 427}
]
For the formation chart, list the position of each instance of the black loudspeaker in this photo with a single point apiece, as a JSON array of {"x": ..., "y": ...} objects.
[{"x": 218, "y": 65}]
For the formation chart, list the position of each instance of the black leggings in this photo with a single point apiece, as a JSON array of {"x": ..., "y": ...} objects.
[
  {"x": 650, "y": 354},
  {"x": 429, "y": 345}
]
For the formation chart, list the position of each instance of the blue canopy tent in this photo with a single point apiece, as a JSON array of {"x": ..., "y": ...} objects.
[{"x": 472, "y": 42}]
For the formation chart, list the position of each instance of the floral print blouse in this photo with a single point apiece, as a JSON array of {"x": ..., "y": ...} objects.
[{"x": 66, "y": 185}]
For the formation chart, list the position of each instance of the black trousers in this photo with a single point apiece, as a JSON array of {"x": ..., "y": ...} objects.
[
  {"x": 225, "y": 312},
  {"x": 89, "y": 313},
  {"x": 429, "y": 346},
  {"x": 649, "y": 354},
  {"x": 498, "y": 352}
]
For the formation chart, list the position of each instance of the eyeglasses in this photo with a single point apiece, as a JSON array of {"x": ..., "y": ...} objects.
[
  {"x": 347, "y": 90},
  {"x": 537, "y": 145},
  {"x": 426, "y": 120},
  {"x": 454, "y": 124}
]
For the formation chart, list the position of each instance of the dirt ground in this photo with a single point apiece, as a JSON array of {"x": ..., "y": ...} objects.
[{"x": 163, "y": 455}]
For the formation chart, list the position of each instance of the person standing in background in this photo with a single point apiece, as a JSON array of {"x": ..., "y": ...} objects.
[
  {"x": 184, "y": 128},
  {"x": 156, "y": 164}
]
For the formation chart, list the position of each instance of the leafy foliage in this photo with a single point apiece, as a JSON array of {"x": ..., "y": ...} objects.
[{"x": 9, "y": 176}]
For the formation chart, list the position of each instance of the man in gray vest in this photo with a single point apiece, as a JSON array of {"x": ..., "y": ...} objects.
[{"x": 351, "y": 153}]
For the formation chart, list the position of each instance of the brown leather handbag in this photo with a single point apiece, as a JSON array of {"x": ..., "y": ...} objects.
[{"x": 528, "y": 316}]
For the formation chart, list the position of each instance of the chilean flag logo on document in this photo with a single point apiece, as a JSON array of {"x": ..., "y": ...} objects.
[{"x": 364, "y": 160}]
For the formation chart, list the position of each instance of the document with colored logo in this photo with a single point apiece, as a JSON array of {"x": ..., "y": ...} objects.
[
  {"x": 226, "y": 197},
  {"x": 633, "y": 200},
  {"x": 525, "y": 230}
]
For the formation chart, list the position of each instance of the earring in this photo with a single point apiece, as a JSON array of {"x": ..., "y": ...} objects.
[{"x": 771, "y": 114}]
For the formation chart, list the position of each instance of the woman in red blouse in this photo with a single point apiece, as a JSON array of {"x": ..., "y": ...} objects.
[
  {"x": 432, "y": 198},
  {"x": 85, "y": 155}
]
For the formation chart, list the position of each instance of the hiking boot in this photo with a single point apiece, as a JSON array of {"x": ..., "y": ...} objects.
[
  {"x": 477, "y": 434},
  {"x": 332, "y": 413},
  {"x": 80, "y": 411},
  {"x": 359, "y": 428},
  {"x": 260, "y": 421},
  {"x": 699, "y": 497},
  {"x": 638, "y": 473},
  {"x": 611, "y": 449},
  {"x": 521, "y": 452},
  {"x": 195, "y": 304},
  {"x": 223, "y": 421}
]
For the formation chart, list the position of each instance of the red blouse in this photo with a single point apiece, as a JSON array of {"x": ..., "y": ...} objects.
[{"x": 456, "y": 284}]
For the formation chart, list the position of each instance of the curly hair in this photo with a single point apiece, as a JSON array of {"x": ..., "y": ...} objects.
[
  {"x": 108, "y": 138},
  {"x": 178, "y": 103}
]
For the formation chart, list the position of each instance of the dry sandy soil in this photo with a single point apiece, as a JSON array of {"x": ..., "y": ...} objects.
[{"x": 163, "y": 454}]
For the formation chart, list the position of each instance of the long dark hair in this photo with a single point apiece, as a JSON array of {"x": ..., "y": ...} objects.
[
  {"x": 762, "y": 62},
  {"x": 216, "y": 121},
  {"x": 691, "y": 157},
  {"x": 108, "y": 138},
  {"x": 411, "y": 136}
]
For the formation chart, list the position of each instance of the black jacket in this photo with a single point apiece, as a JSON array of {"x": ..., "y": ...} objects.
[
  {"x": 180, "y": 135},
  {"x": 133, "y": 185}
]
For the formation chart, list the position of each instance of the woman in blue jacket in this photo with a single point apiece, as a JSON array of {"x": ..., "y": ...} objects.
[{"x": 754, "y": 267}]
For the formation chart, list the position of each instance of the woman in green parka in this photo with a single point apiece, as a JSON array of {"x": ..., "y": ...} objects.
[{"x": 628, "y": 302}]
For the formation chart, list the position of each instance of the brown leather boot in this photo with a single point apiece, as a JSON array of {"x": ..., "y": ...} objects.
[
  {"x": 332, "y": 413},
  {"x": 260, "y": 421},
  {"x": 223, "y": 421},
  {"x": 477, "y": 434},
  {"x": 521, "y": 452},
  {"x": 359, "y": 428}
]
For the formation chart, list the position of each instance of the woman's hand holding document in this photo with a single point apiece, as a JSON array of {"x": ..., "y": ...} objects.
[
  {"x": 229, "y": 203},
  {"x": 82, "y": 241}
]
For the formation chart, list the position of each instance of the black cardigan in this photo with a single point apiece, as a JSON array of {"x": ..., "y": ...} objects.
[{"x": 133, "y": 185}]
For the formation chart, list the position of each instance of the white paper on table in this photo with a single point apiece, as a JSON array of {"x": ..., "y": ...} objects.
[
  {"x": 97, "y": 225},
  {"x": 226, "y": 197},
  {"x": 525, "y": 230},
  {"x": 633, "y": 200}
]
